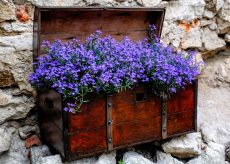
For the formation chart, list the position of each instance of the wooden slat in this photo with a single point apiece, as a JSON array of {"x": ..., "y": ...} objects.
[
  {"x": 71, "y": 24},
  {"x": 92, "y": 115},
  {"x": 181, "y": 112},
  {"x": 88, "y": 142},
  {"x": 182, "y": 101},
  {"x": 134, "y": 35},
  {"x": 136, "y": 131},
  {"x": 89, "y": 21},
  {"x": 180, "y": 123},
  {"x": 126, "y": 107}
]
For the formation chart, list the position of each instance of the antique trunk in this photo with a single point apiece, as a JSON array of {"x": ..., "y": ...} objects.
[{"x": 108, "y": 122}]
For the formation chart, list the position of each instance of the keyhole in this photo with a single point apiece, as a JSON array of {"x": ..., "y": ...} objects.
[{"x": 140, "y": 97}]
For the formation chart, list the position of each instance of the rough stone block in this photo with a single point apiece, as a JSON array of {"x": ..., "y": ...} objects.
[{"x": 187, "y": 146}]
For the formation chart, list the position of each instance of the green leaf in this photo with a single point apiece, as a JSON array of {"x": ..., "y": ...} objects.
[{"x": 121, "y": 162}]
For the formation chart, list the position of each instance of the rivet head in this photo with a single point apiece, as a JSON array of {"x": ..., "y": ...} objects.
[
  {"x": 110, "y": 140},
  {"x": 109, "y": 105},
  {"x": 109, "y": 122}
]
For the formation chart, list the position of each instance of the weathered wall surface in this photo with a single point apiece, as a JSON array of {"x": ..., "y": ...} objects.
[{"x": 202, "y": 25}]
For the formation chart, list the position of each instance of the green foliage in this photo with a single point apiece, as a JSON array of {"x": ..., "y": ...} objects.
[{"x": 121, "y": 162}]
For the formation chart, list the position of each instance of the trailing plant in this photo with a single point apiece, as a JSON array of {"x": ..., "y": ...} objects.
[{"x": 105, "y": 65}]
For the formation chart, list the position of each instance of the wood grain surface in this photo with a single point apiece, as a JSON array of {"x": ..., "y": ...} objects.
[
  {"x": 181, "y": 112},
  {"x": 87, "y": 142},
  {"x": 80, "y": 24},
  {"x": 91, "y": 116}
]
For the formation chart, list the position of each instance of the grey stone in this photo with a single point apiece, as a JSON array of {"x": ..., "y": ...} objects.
[
  {"x": 31, "y": 121},
  {"x": 187, "y": 146},
  {"x": 17, "y": 42},
  {"x": 216, "y": 75},
  {"x": 5, "y": 139},
  {"x": 211, "y": 40},
  {"x": 163, "y": 4},
  {"x": 146, "y": 152},
  {"x": 109, "y": 158},
  {"x": 20, "y": 64},
  {"x": 214, "y": 154},
  {"x": 172, "y": 33},
  {"x": 17, "y": 26},
  {"x": 227, "y": 38},
  {"x": 208, "y": 14},
  {"x": 224, "y": 12},
  {"x": 223, "y": 73},
  {"x": 192, "y": 39},
  {"x": 185, "y": 10},
  {"x": 106, "y": 3},
  {"x": 91, "y": 160},
  {"x": 213, "y": 26},
  {"x": 223, "y": 27},
  {"x": 37, "y": 152},
  {"x": 14, "y": 107},
  {"x": 26, "y": 131},
  {"x": 17, "y": 154},
  {"x": 55, "y": 2},
  {"x": 224, "y": 53},
  {"x": 163, "y": 158},
  {"x": 219, "y": 4},
  {"x": 19, "y": 2},
  {"x": 199, "y": 59},
  {"x": 120, "y": 0},
  {"x": 109, "y": 3},
  {"x": 148, "y": 3},
  {"x": 210, "y": 4},
  {"x": 6, "y": 76},
  {"x": 215, "y": 151},
  {"x": 213, "y": 104},
  {"x": 205, "y": 22},
  {"x": 7, "y": 11},
  {"x": 213, "y": 110},
  {"x": 54, "y": 159},
  {"x": 205, "y": 160},
  {"x": 4, "y": 50},
  {"x": 135, "y": 158},
  {"x": 215, "y": 132}
]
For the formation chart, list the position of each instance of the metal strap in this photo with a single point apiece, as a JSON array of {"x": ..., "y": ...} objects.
[
  {"x": 164, "y": 119},
  {"x": 109, "y": 123}
]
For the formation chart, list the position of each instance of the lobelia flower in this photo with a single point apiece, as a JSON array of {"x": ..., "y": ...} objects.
[{"x": 103, "y": 64}]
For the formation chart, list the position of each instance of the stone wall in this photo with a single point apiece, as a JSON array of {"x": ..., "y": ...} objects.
[{"x": 201, "y": 25}]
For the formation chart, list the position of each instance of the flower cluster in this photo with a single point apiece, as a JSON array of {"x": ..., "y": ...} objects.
[{"x": 105, "y": 65}]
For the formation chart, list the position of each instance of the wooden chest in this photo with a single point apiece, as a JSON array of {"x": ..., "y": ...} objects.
[
  {"x": 108, "y": 122},
  {"x": 116, "y": 121}
]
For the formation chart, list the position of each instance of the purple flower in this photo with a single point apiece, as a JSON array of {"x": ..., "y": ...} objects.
[{"x": 103, "y": 64}]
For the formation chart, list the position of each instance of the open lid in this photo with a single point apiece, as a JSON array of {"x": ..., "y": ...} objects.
[{"x": 53, "y": 23}]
